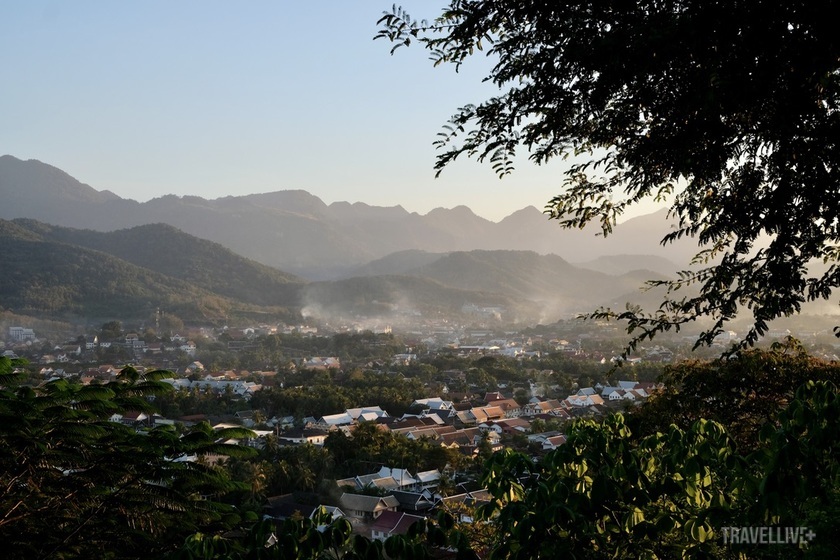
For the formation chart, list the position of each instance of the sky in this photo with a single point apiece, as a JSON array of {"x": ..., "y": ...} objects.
[{"x": 218, "y": 98}]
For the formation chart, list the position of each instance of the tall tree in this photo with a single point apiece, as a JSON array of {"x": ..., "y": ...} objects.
[{"x": 730, "y": 106}]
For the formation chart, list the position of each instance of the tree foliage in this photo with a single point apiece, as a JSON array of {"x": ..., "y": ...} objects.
[
  {"x": 609, "y": 493},
  {"x": 77, "y": 484},
  {"x": 730, "y": 107},
  {"x": 744, "y": 393}
]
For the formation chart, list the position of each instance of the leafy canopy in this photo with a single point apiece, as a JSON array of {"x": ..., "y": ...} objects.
[
  {"x": 731, "y": 107},
  {"x": 610, "y": 493},
  {"x": 76, "y": 484}
]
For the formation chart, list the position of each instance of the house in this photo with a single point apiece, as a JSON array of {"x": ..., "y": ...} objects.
[
  {"x": 544, "y": 437},
  {"x": 247, "y": 417},
  {"x": 404, "y": 478},
  {"x": 304, "y": 435},
  {"x": 368, "y": 414},
  {"x": 391, "y": 523},
  {"x": 403, "y": 359},
  {"x": 460, "y": 438},
  {"x": 443, "y": 408},
  {"x": 581, "y": 400},
  {"x": 73, "y": 349},
  {"x": 367, "y": 508},
  {"x": 194, "y": 367},
  {"x": 393, "y": 479},
  {"x": 384, "y": 479},
  {"x": 188, "y": 348},
  {"x": 510, "y": 407},
  {"x": 134, "y": 418},
  {"x": 407, "y": 424},
  {"x": 178, "y": 382},
  {"x": 428, "y": 479},
  {"x": 414, "y": 502},
  {"x": 553, "y": 442},
  {"x": 321, "y": 363},
  {"x": 284, "y": 507},
  {"x": 358, "y": 482},
  {"x": 487, "y": 413},
  {"x": 244, "y": 389},
  {"x": 647, "y": 386},
  {"x": 340, "y": 419},
  {"x": 536, "y": 406},
  {"x": 614, "y": 394},
  {"x": 107, "y": 371},
  {"x": 282, "y": 423},
  {"x": 471, "y": 498},
  {"x": 493, "y": 439},
  {"x": 508, "y": 426},
  {"x": 492, "y": 397},
  {"x": 617, "y": 395},
  {"x": 430, "y": 432},
  {"x": 21, "y": 334}
]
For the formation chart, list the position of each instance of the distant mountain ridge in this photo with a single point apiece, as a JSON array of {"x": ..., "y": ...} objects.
[
  {"x": 67, "y": 273},
  {"x": 622, "y": 264},
  {"x": 168, "y": 251},
  {"x": 297, "y": 232},
  {"x": 55, "y": 280}
]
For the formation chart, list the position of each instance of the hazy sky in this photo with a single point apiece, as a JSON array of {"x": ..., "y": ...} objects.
[{"x": 218, "y": 98}]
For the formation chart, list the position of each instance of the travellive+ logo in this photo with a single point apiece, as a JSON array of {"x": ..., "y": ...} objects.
[{"x": 767, "y": 535}]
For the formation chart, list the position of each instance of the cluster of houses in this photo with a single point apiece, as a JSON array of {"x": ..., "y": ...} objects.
[
  {"x": 221, "y": 383},
  {"x": 69, "y": 352},
  {"x": 465, "y": 426},
  {"x": 218, "y": 384},
  {"x": 383, "y": 503},
  {"x": 387, "y": 502}
]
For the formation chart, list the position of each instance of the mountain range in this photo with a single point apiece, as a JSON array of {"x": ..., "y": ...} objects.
[
  {"x": 297, "y": 232},
  {"x": 73, "y": 274},
  {"x": 73, "y": 251}
]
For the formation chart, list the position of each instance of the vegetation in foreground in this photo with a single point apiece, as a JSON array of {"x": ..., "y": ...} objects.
[{"x": 746, "y": 442}]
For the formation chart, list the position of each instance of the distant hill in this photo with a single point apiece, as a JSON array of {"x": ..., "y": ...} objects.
[
  {"x": 64, "y": 273},
  {"x": 621, "y": 264},
  {"x": 378, "y": 299},
  {"x": 297, "y": 232},
  {"x": 164, "y": 249},
  {"x": 530, "y": 286},
  {"x": 558, "y": 287},
  {"x": 401, "y": 262},
  {"x": 49, "y": 279}
]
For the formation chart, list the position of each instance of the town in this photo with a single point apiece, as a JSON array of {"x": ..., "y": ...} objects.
[{"x": 379, "y": 427}]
